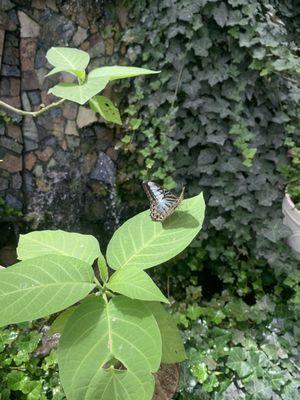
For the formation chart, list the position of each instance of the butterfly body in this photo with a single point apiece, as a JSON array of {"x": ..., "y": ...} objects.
[{"x": 162, "y": 202}]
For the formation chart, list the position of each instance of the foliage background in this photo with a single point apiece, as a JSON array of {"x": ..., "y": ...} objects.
[{"x": 222, "y": 117}]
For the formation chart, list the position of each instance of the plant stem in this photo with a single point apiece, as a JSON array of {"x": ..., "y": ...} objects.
[{"x": 31, "y": 113}]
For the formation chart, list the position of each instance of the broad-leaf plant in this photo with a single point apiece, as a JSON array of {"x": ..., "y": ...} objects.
[
  {"x": 115, "y": 332},
  {"x": 86, "y": 86}
]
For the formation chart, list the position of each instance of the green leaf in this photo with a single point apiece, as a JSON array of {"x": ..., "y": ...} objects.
[
  {"x": 60, "y": 322},
  {"x": 84, "y": 247},
  {"x": 172, "y": 345},
  {"x": 105, "y": 107},
  {"x": 103, "y": 270},
  {"x": 99, "y": 333},
  {"x": 41, "y": 286},
  {"x": 143, "y": 243},
  {"x": 119, "y": 72},
  {"x": 16, "y": 380},
  {"x": 79, "y": 93},
  {"x": 135, "y": 284},
  {"x": 236, "y": 362},
  {"x": 67, "y": 59}
]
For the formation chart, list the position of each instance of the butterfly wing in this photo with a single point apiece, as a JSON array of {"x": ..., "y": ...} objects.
[{"x": 162, "y": 202}]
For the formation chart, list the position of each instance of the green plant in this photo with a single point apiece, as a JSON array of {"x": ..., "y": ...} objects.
[
  {"x": 24, "y": 375},
  {"x": 232, "y": 111},
  {"x": 240, "y": 351},
  {"x": 87, "y": 87},
  {"x": 117, "y": 336}
]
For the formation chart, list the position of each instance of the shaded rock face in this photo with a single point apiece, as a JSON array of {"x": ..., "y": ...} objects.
[
  {"x": 104, "y": 170},
  {"x": 59, "y": 168}
]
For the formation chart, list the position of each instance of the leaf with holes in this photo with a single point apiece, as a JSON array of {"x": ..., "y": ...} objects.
[
  {"x": 105, "y": 107},
  {"x": 40, "y": 286},
  {"x": 135, "y": 284},
  {"x": 119, "y": 72},
  {"x": 99, "y": 336},
  {"x": 143, "y": 243},
  {"x": 84, "y": 247},
  {"x": 67, "y": 59},
  {"x": 79, "y": 93}
]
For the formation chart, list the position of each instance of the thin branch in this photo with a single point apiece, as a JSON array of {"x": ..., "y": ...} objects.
[{"x": 31, "y": 113}]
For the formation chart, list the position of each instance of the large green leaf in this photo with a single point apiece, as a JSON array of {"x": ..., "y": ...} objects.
[
  {"x": 99, "y": 332},
  {"x": 144, "y": 243},
  {"x": 136, "y": 284},
  {"x": 41, "y": 286},
  {"x": 119, "y": 72},
  {"x": 84, "y": 247},
  {"x": 172, "y": 344},
  {"x": 67, "y": 59},
  {"x": 105, "y": 107},
  {"x": 79, "y": 93}
]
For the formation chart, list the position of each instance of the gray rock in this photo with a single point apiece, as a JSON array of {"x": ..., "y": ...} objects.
[
  {"x": 6, "y": 5},
  {"x": 10, "y": 70},
  {"x": 71, "y": 128},
  {"x": 11, "y": 39},
  {"x": 30, "y": 129},
  {"x": 29, "y": 145},
  {"x": 3, "y": 184},
  {"x": 80, "y": 36},
  {"x": 2, "y": 130},
  {"x": 57, "y": 31},
  {"x": 10, "y": 144},
  {"x": 104, "y": 170},
  {"x": 13, "y": 202},
  {"x": 34, "y": 97},
  {"x": 40, "y": 59},
  {"x": 29, "y": 28},
  {"x": 85, "y": 117},
  {"x": 29, "y": 182},
  {"x": 16, "y": 181}
]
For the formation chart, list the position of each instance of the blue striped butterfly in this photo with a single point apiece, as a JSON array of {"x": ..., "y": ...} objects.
[{"x": 162, "y": 202}]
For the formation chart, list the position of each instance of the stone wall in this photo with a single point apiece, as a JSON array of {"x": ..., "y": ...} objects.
[{"x": 58, "y": 168}]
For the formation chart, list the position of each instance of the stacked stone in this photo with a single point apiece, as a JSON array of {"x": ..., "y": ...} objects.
[
  {"x": 11, "y": 142},
  {"x": 67, "y": 157}
]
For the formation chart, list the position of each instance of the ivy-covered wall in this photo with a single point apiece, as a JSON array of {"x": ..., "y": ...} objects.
[{"x": 221, "y": 117}]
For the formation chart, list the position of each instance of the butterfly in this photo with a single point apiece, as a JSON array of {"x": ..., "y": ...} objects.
[{"x": 162, "y": 202}]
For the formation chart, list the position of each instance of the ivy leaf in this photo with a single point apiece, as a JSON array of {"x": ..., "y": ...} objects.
[
  {"x": 83, "y": 247},
  {"x": 237, "y": 362},
  {"x": 40, "y": 286},
  {"x": 16, "y": 380},
  {"x": 220, "y": 14},
  {"x": 259, "y": 389},
  {"x": 143, "y": 243},
  {"x": 135, "y": 284},
  {"x": 276, "y": 231},
  {"x": 105, "y": 107}
]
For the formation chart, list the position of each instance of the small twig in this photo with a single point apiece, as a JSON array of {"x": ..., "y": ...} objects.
[
  {"x": 178, "y": 81},
  {"x": 31, "y": 113}
]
